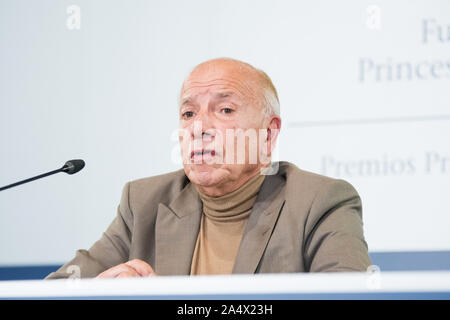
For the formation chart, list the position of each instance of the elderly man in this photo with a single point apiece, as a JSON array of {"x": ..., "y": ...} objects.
[{"x": 231, "y": 210}]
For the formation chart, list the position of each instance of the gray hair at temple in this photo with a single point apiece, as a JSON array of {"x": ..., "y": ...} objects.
[{"x": 271, "y": 103}]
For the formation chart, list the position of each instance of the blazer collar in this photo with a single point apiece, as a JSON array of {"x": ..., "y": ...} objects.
[
  {"x": 176, "y": 231},
  {"x": 262, "y": 220},
  {"x": 178, "y": 224}
]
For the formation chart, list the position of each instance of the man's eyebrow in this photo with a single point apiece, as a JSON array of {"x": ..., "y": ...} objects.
[
  {"x": 224, "y": 94},
  {"x": 220, "y": 95},
  {"x": 185, "y": 100}
]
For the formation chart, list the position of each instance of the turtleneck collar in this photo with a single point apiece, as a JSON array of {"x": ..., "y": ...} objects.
[{"x": 233, "y": 206}]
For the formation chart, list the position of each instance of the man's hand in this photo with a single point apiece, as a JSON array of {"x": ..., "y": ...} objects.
[{"x": 132, "y": 268}]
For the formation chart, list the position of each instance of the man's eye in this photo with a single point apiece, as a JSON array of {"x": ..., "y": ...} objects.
[
  {"x": 226, "y": 110},
  {"x": 188, "y": 114}
]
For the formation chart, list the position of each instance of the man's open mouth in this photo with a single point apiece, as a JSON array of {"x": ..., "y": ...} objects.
[{"x": 203, "y": 152}]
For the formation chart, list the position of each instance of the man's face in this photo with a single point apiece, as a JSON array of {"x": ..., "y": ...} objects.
[{"x": 217, "y": 101}]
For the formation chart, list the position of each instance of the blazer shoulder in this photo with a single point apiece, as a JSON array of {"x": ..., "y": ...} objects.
[
  {"x": 296, "y": 176},
  {"x": 161, "y": 187},
  {"x": 161, "y": 178},
  {"x": 310, "y": 184}
]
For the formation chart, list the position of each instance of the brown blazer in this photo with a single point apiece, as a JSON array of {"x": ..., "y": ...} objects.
[{"x": 300, "y": 222}]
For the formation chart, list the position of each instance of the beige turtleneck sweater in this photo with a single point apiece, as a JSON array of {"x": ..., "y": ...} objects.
[{"x": 221, "y": 228}]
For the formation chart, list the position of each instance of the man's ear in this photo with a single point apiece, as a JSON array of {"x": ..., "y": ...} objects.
[
  {"x": 273, "y": 130},
  {"x": 269, "y": 138}
]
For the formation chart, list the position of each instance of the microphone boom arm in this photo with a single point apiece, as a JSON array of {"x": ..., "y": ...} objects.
[{"x": 70, "y": 167}]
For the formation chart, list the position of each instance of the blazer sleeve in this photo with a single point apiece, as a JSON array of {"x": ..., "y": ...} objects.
[
  {"x": 334, "y": 231},
  {"x": 110, "y": 250}
]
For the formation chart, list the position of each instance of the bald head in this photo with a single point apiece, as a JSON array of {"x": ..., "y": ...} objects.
[{"x": 255, "y": 84}]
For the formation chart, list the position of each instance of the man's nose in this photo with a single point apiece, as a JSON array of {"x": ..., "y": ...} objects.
[{"x": 203, "y": 127}]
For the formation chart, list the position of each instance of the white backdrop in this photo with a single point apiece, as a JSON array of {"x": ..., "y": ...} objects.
[{"x": 364, "y": 89}]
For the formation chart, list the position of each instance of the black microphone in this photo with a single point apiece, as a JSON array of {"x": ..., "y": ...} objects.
[{"x": 70, "y": 167}]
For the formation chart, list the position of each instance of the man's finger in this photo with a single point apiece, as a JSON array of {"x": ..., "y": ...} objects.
[
  {"x": 142, "y": 267},
  {"x": 126, "y": 274},
  {"x": 115, "y": 271}
]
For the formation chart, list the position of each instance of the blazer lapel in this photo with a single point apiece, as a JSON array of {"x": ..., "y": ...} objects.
[
  {"x": 262, "y": 220},
  {"x": 176, "y": 232}
]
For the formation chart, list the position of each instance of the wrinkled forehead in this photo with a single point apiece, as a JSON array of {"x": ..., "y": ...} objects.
[{"x": 221, "y": 77}]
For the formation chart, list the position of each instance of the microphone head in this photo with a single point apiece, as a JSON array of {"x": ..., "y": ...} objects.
[{"x": 73, "y": 166}]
